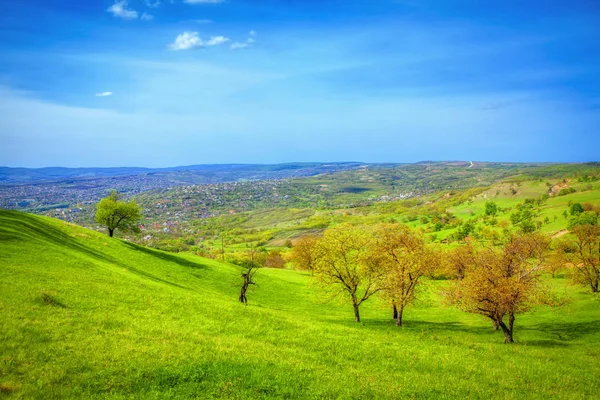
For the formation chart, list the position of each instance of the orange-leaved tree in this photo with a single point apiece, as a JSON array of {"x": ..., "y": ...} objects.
[
  {"x": 503, "y": 283},
  {"x": 583, "y": 255},
  {"x": 303, "y": 253}
]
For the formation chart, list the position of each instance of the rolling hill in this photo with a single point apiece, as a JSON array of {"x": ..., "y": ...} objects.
[{"x": 86, "y": 316}]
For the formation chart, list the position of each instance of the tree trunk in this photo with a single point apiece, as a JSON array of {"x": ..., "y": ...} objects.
[
  {"x": 508, "y": 335},
  {"x": 395, "y": 311},
  {"x": 496, "y": 325},
  {"x": 356, "y": 313},
  {"x": 594, "y": 287},
  {"x": 243, "y": 298},
  {"x": 111, "y": 232},
  {"x": 399, "y": 317}
]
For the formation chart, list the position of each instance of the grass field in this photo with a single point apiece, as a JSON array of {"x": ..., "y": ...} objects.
[{"x": 86, "y": 316}]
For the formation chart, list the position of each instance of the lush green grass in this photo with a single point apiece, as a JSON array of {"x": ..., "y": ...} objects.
[{"x": 86, "y": 316}]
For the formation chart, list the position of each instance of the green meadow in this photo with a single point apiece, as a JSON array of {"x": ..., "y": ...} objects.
[{"x": 86, "y": 316}]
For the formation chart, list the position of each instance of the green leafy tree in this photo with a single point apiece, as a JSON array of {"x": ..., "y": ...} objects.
[
  {"x": 491, "y": 208},
  {"x": 113, "y": 213},
  {"x": 576, "y": 209},
  {"x": 584, "y": 218}
]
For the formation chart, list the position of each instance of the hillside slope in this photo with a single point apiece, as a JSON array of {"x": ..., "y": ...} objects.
[{"x": 86, "y": 316}]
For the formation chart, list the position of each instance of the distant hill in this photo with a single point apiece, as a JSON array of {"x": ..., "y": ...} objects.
[{"x": 192, "y": 174}]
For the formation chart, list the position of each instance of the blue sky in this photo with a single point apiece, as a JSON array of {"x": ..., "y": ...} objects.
[{"x": 179, "y": 82}]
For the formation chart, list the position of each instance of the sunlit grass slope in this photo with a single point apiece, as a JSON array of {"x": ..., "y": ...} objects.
[{"x": 85, "y": 316}]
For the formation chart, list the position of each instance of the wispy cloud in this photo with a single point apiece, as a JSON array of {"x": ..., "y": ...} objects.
[
  {"x": 152, "y": 4},
  {"x": 147, "y": 17},
  {"x": 238, "y": 45},
  {"x": 217, "y": 40},
  {"x": 242, "y": 45},
  {"x": 203, "y": 1},
  {"x": 190, "y": 40},
  {"x": 104, "y": 94},
  {"x": 119, "y": 9}
]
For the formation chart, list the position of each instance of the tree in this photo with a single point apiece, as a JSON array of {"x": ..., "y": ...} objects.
[
  {"x": 584, "y": 255},
  {"x": 502, "y": 284},
  {"x": 345, "y": 261},
  {"x": 114, "y": 213},
  {"x": 576, "y": 209},
  {"x": 583, "y": 218},
  {"x": 491, "y": 208},
  {"x": 251, "y": 262},
  {"x": 406, "y": 259},
  {"x": 458, "y": 260},
  {"x": 303, "y": 253},
  {"x": 274, "y": 259}
]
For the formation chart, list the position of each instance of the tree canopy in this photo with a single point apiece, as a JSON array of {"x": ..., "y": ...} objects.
[
  {"x": 501, "y": 284},
  {"x": 114, "y": 213},
  {"x": 345, "y": 261}
]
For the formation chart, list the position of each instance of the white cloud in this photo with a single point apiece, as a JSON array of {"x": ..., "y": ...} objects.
[
  {"x": 104, "y": 94},
  {"x": 238, "y": 45},
  {"x": 190, "y": 40},
  {"x": 252, "y": 33},
  {"x": 186, "y": 41},
  {"x": 203, "y": 1},
  {"x": 147, "y": 17},
  {"x": 251, "y": 40},
  {"x": 217, "y": 40},
  {"x": 152, "y": 4},
  {"x": 119, "y": 9}
]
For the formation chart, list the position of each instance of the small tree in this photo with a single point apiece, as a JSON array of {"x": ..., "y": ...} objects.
[
  {"x": 114, "y": 213},
  {"x": 303, "y": 253},
  {"x": 406, "y": 259},
  {"x": 584, "y": 255},
  {"x": 250, "y": 263},
  {"x": 502, "y": 284},
  {"x": 345, "y": 261},
  {"x": 458, "y": 260},
  {"x": 491, "y": 209},
  {"x": 274, "y": 259},
  {"x": 576, "y": 209}
]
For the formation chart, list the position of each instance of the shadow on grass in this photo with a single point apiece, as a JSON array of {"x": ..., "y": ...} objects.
[
  {"x": 567, "y": 331},
  {"x": 417, "y": 326},
  {"x": 544, "y": 343},
  {"x": 165, "y": 256},
  {"x": 27, "y": 227}
]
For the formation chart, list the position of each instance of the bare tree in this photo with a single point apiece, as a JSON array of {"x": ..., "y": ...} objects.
[{"x": 250, "y": 265}]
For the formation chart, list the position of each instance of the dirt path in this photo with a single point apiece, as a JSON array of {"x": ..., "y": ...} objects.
[{"x": 560, "y": 233}]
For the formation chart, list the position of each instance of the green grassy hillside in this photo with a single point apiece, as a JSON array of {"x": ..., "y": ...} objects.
[{"x": 85, "y": 316}]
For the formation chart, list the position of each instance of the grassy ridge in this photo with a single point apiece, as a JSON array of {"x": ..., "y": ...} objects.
[{"x": 87, "y": 316}]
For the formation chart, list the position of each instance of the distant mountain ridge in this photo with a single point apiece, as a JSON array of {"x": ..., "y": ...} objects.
[{"x": 201, "y": 173}]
